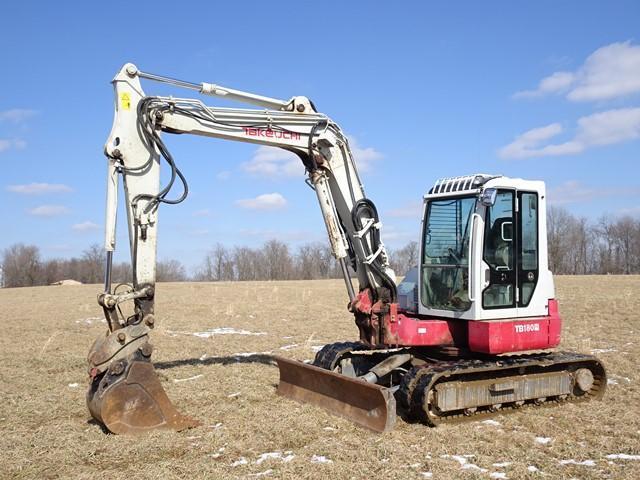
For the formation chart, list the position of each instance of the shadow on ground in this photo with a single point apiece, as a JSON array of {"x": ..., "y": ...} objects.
[{"x": 257, "y": 358}]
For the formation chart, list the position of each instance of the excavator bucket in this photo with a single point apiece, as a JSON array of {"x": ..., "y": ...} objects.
[
  {"x": 366, "y": 404},
  {"x": 134, "y": 402}
]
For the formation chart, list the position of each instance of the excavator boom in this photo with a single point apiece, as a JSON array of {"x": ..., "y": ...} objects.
[{"x": 125, "y": 394}]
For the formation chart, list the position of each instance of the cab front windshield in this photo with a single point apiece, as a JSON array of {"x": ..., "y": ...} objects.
[{"x": 446, "y": 254}]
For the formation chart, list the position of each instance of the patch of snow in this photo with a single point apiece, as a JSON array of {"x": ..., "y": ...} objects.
[
  {"x": 320, "y": 459},
  {"x": 233, "y": 395},
  {"x": 261, "y": 474},
  {"x": 217, "y": 331},
  {"x": 289, "y": 347},
  {"x": 415, "y": 465},
  {"x": 611, "y": 381},
  {"x": 625, "y": 379},
  {"x": 287, "y": 457},
  {"x": 90, "y": 320},
  {"x": 493, "y": 423},
  {"x": 240, "y": 461},
  {"x": 317, "y": 348},
  {"x": 501, "y": 475},
  {"x": 177, "y": 380},
  {"x": 623, "y": 456},
  {"x": 543, "y": 440},
  {"x": 329, "y": 429},
  {"x": 463, "y": 460},
  {"x": 532, "y": 469},
  {"x": 502, "y": 464},
  {"x": 287, "y": 337},
  {"x": 426, "y": 474},
  {"x": 571, "y": 461},
  {"x": 602, "y": 350},
  {"x": 203, "y": 357},
  {"x": 73, "y": 385},
  {"x": 473, "y": 466},
  {"x": 218, "y": 454},
  {"x": 217, "y": 425}
]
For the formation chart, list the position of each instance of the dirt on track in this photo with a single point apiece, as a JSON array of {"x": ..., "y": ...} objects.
[{"x": 228, "y": 381}]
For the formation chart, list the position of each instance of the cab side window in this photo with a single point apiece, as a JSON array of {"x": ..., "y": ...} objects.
[{"x": 499, "y": 252}]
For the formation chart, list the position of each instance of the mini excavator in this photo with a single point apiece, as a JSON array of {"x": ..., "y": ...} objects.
[{"x": 470, "y": 332}]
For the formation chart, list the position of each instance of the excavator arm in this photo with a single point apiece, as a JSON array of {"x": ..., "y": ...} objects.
[{"x": 125, "y": 394}]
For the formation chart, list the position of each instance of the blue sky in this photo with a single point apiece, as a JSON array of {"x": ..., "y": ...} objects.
[{"x": 544, "y": 90}]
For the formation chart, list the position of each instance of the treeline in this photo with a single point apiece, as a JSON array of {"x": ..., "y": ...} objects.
[
  {"x": 577, "y": 246},
  {"x": 22, "y": 265},
  {"x": 610, "y": 245},
  {"x": 275, "y": 260}
]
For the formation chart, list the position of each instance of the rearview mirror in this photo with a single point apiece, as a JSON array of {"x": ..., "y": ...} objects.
[{"x": 488, "y": 197}]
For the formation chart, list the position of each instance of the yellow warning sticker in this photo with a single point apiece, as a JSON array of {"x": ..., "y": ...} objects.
[{"x": 125, "y": 101}]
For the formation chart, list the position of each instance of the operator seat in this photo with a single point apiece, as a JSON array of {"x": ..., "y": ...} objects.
[{"x": 499, "y": 254}]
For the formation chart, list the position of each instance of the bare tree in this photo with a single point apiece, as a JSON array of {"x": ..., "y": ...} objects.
[
  {"x": 21, "y": 266},
  {"x": 170, "y": 271},
  {"x": 93, "y": 261},
  {"x": 217, "y": 265},
  {"x": 307, "y": 264},
  {"x": 404, "y": 259},
  {"x": 277, "y": 260}
]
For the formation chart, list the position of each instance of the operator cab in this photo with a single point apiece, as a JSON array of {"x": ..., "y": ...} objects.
[{"x": 483, "y": 252}]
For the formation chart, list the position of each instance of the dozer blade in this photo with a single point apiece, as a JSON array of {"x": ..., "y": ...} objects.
[
  {"x": 134, "y": 402},
  {"x": 366, "y": 404}
]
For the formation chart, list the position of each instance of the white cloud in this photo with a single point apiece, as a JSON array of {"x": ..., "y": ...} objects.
[
  {"x": 8, "y": 143},
  {"x": 611, "y": 71},
  {"x": 603, "y": 128},
  {"x": 39, "y": 188},
  {"x": 267, "y": 201},
  {"x": 364, "y": 157},
  {"x": 87, "y": 226},
  {"x": 632, "y": 211},
  {"x": 16, "y": 115},
  {"x": 554, "y": 83},
  {"x": 410, "y": 210},
  {"x": 274, "y": 162},
  {"x": 48, "y": 211},
  {"x": 573, "y": 191}
]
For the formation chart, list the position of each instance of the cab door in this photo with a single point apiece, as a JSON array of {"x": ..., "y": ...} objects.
[
  {"x": 510, "y": 254},
  {"x": 499, "y": 255}
]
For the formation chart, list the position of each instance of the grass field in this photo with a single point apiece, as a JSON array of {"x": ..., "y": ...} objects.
[{"x": 228, "y": 381}]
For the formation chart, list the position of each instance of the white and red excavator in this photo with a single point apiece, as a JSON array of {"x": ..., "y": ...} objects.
[{"x": 469, "y": 333}]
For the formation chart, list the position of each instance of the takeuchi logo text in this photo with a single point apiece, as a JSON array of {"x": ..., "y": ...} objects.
[{"x": 267, "y": 132}]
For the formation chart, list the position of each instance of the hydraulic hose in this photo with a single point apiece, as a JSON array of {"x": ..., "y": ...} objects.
[{"x": 366, "y": 208}]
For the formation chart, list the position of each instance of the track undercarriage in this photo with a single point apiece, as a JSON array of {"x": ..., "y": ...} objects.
[{"x": 436, "y": 386}]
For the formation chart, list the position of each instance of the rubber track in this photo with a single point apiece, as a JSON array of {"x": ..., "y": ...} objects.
[
  {"x": 419, "y": 381},
  {"x": 330, "y": 354}
]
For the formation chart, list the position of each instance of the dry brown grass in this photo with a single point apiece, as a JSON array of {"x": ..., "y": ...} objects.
[{"x": 46, "y": 431}]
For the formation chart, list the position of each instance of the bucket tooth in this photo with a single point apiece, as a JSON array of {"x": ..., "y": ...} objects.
[
  {"x": 135, "y": 402},
  {"x": 366, "y": 404}
]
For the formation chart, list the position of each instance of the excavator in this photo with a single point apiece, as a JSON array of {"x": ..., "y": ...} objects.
[{"x": 470, "y": 332}]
